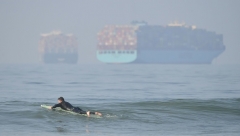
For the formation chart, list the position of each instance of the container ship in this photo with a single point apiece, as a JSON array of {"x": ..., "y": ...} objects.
[
  {"x": 175, "y": 43},
  {"x": 56, "y": 47}
]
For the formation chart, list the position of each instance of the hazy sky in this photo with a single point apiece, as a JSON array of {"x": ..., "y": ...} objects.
[{"x": 22, "y": 22}]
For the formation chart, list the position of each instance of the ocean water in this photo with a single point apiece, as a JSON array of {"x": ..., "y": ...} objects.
[{"x": 135, "y": 99}]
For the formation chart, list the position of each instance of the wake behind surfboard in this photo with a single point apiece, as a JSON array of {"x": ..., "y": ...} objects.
[{"x": 71, "y": 112}]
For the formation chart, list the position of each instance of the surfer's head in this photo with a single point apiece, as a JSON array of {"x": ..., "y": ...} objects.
[{"x": 60, "y": 99}]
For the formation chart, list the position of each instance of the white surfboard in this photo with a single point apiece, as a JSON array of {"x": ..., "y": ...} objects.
[{"x": 71, "y": 112}]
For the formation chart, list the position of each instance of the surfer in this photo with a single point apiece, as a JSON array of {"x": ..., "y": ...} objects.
[{"x": 67, "y": 106}]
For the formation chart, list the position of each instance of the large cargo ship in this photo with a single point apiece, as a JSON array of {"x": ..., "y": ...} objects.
[
  {"x": 174, "y": 43},
  {"x": 56, "y": 47}
]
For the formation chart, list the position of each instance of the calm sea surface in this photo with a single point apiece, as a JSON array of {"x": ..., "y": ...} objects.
[{"x": 134, "y": 99}]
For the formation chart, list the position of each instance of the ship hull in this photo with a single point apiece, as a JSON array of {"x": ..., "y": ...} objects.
[
  {"x": 53, "y": 58},
  {"x": 177, "y": 56},
  {"x": 117, "y": 56}
]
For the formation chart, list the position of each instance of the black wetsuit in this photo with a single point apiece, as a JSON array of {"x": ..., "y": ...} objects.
[{"x": 67, "y": 106}]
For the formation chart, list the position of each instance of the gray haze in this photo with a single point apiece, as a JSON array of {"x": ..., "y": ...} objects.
[{"x": 22, "y": 22}]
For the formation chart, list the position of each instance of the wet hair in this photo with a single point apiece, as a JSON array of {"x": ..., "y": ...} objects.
[{"x": 61, "y": 98}]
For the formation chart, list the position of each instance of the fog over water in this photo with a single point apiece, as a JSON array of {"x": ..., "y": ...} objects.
[{"x": 23, "y": 21}]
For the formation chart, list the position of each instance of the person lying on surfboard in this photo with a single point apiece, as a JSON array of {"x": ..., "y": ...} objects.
[{"x": 67, "y": 106}]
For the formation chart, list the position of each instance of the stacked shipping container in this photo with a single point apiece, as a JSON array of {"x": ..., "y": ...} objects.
[
  {"x": 56, "y": 47},
  {"x": 57, "y": 42},
  {"x": 177, "y": 38},
  {"x": 113, "y": 37}
]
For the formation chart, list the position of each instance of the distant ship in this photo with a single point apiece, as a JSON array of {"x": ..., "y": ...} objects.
[
  {"x": 172, "y": 44},
  {"x": 56, "y": 47}
]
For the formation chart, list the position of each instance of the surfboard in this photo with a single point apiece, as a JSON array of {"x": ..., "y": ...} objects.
[{"x": 71, "y": 112}]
